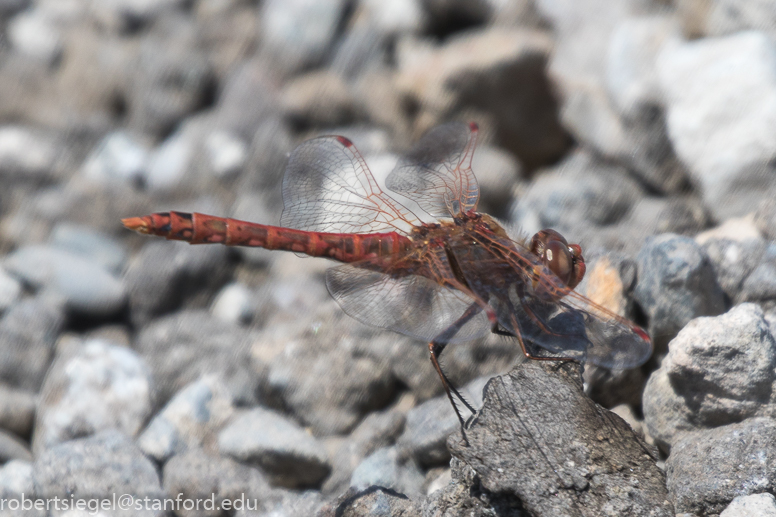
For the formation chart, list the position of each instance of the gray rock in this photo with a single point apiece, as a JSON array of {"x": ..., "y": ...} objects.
[
  {"x": 429, "y": 425},
  {"x": 122, "y": 15},
  {"x": 293, "y": 503},
  {"x": 707, "y": 469},
  {"x": 497, "y": 173},
  {"x": 733, "y": 261},
  {"x": 28, "y": 332},
  {"x": 172, "y": 77},
  {"x": 10, "y": 290},
  {"x": 577, "y": 192},
  {"x": 92, "y": 386},
  {"x": 234, "y": 304},
  {"x": 163, "y": 275},
  {"x": 118, "y": 157},
  {"x": 12, "y": 448},
  {"x": 182, "y": 348},
  {"x": 538, "y": 434},
  {"x": 755, "y": 505},
  {"x": 282, "y": 449},
  {"x": 720, "y": 17},
  {"x": 719, "y": 95},
  {"x": 676, "y": 283},
  {"x": 169, "y": 163},
  {"x": 760, "y": 285},
  {"x": 197, "y": 475},
  {"x": 320, "y": 99},
  {"x": 299, "y": 32},
  {"x": 330, "y": 384},
  {"x": 765, "y": 218},
  {"x": 17, "y": 410},
  {"x": 404, "y": 16},
  {"x": 97, "y": 467},
  {"x": 89, "y": 243},
  {"x": 372, "y": 502},
  {"x": 226, "y": 153},
  {"x": 190, "y": 419},
  {"x": 498, "y": 73},
  {"x": 386, "y": 468},
  {"x": 378, "y": 429},
  {"x": 86, "y": 288},
  {"x": 718, "y": 370}
]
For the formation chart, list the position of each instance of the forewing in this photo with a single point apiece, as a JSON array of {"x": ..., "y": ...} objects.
[
  {"x": 411, "y": 305},
  {"x": 437, "y": 172},
  {"x": 328, "y": 187}
]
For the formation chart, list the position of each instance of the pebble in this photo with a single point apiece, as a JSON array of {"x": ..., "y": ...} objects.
[
  {"x": 98, "y": 466},
  {"x": 734, "y": 261},
  {"x": 163, "y": 275},
  {"x": 430, "y": 423},
  {"x": 721, "y": 97},
  {"x": 168, "y": 164},
  {"x": 118, "y": 157},
  {"x": 16, "y": 478},
  {"x": 234, "y": 304},
  {"x": 676, "y": 283},
  {"x": 189, "y": 420},
  {"x": 385, "y": 468},
  {"x": 13, "y": 448},
  {"x": 709, "y": 468},
  {"x": 82, "y": 283},
  {"x": 755, "y": 505},
  {"x": 34, "y": 34},
  {"x": 91, "y": 387},
  {"x": 17, "y": 410},
  {"x": 26, "y": 153},
  {"x": 718, "y": 370},
  {"x": 10, "y": 290},
  {"x": 202, "y": 476},
  {"x": 283, "y": 450},
  {"x": 28, "y": 331},
  {"x": 181, "y": 348},
  {"x": 226, "y": 153},
  {"x": 299, "y": 32},
  {"x": 108, "y": 252}
]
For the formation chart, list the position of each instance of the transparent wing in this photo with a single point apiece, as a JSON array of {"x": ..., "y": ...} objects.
[
  {"x": 437, "y": 174},
  {"x": 411, "y": 305},
  {"x": 328, "y": 187},
  {"x": 533, "y": 303}
]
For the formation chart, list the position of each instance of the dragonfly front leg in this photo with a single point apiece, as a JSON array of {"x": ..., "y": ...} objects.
[{"x": 438, "y": 344}]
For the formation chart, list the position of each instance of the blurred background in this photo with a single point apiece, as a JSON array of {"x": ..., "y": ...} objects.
[{"x": 610, "y": 121}]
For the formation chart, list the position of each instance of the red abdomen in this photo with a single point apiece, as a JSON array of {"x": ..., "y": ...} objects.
[{"x": 207, "y": 229}]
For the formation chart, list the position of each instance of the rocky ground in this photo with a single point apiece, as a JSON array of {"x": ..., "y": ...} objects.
[{"x": 645, "y": 130}]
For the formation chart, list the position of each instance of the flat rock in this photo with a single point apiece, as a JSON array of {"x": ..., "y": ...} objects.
[
  {"x": 98, "y": 466},
  {"x": 183, "y": 347},
  {"x": 118, "y": 157},
  {"x": 92, "y": 386},
  {"x": 83, "y": 284},
  {"x": 538, "y": 434},
  {"x": 676, "y": 283},
  {"x": 718, "y": 370},
  {"x": 277, "y": 445},
  {"x": 387, "y": 469},
  {"x": 190, "y": 420},
  {"x": 85, "y": 241},
  {"x": 709, "y": 468}
]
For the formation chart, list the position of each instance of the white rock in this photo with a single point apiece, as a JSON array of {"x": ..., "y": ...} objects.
[
  {"x": 10, "y": 290},
  {"x": 118, "y": 156},
  {"x": 754, "y": 505},
  {"x": 100, "y": 386},
  {"x": 234, "y": 303},
  {"x": 34, "y": 34},
  {"x": 24, "y": 152},
  {"x": 226, "y": 152},
  {"x": 169, "y": 162},
  {"x": 721, "y": 100}
]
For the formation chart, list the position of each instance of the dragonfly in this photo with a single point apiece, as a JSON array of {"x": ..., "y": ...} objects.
[{"x": 452, "y": 277}]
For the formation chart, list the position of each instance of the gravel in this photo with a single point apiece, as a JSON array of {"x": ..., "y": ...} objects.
[{"x": 642, "y": 130}]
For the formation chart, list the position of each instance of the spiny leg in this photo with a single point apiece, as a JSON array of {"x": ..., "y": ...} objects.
[
  {"x": 499, "y": 332},
  {"x": 435, "y": 348}
]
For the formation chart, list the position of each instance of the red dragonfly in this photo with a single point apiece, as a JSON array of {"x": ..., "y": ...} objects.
[{"x": 449, "y": 281}]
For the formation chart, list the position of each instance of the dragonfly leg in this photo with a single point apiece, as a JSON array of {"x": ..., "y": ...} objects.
[
  {"x": 499, "y": 332},
  {"x": 435, "y": 348}
]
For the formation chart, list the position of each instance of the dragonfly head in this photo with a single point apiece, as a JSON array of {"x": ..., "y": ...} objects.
[{"x": 562, "y": 258}]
